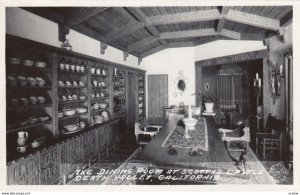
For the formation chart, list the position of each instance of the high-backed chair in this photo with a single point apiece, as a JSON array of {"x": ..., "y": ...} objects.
[
  {"x": 145, "y": 129},
  {"x": 270, "y": 138}
]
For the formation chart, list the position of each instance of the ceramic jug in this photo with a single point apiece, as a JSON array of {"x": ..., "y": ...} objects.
[{"x": 22, "y": 137}]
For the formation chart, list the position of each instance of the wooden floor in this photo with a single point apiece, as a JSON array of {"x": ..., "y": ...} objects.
[{"x": 216, "y": 156}]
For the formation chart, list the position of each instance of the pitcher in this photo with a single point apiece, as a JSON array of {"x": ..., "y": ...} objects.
[{"x": 22, "y": 137}]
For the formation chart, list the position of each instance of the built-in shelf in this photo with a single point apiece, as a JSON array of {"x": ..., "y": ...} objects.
[
  {"x": 72, "y": 87},
  {"x": 70, "y": 101},
  {"x": 99, "y": 75},
  {"x": 28, "y": 87},
  {"x": 100, "y": 109},
  {"x": 29, "y": 106},
  {"x": 71, "y": 72},
  {"x": 27, "y": 126},
  {"x": 16, "y": 67},
  {"x": 72, "y": 116},
  {"x": 100, "y": 86},
  {"x": 100, "y": 98}
]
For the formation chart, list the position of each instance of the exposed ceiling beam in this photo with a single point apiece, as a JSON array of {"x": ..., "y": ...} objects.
[
  {"x": 253, "y": 20},
  {"x": 152, "y": 51},
  {"x": 287, "y": 19},
  {"x": 84, "y": 13},
  {"x": 188, "y": 33},
  {"x": 197, "y": 16},
  {"x": 220, "y": 23},
  {"x": 181, "y": 44},
  {"x": 211, "y": 33},
  {"x": 204, "y": 15}
]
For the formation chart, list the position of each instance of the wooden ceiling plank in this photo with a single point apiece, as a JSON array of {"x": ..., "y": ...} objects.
[
  {"x": 253, "y": 20},
  {"x": 287, "y": 19},
  {"x": 230, "y": 34},
  {"x": 141, "y": 43},
  {"x": 152, "y": 51},
  {"x": 83, "y": 14}
]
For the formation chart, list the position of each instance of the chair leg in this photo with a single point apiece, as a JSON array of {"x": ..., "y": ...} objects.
[
  {"x": 256, "y": 145},
  {"x": 264, "y": 150},
  {"x": 280, "y": 151}
]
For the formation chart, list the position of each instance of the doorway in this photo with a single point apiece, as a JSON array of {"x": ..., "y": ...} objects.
[{"x": 157, "y": 97}]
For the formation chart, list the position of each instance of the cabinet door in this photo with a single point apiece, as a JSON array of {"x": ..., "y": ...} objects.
[
  {"x": 89, "y": 142},
  {"x": 103, "y": 138},
  {"x": 25, "y": 171},
  {"x": 113, "y": 135},
  {"x": 72, "y": 156},
  {"x": 50, "y": 165}
]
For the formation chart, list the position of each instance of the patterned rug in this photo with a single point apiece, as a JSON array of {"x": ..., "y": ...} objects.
[{"x": 198, "y": 137}]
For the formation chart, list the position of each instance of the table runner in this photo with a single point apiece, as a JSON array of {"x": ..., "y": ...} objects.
[{"x": 198, "y": 137}]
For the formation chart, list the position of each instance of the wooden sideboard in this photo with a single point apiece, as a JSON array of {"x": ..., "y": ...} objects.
[{"x": 57, "y": 163}]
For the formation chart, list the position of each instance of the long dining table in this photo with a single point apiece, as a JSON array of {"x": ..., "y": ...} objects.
[{"x": 215, "y": 157}]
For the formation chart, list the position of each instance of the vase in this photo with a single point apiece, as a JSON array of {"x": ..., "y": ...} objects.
[{"x": 209, "y": 107}]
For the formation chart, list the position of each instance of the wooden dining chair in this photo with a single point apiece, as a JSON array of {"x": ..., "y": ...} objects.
[
  {"x": 144, "y": 129},
  {"x": 270, "y": 139}
]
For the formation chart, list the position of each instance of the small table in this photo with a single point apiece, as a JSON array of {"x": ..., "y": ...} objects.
[{"x": 208, "y": 113}]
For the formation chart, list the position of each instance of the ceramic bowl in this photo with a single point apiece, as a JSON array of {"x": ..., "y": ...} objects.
[
  {"x": 69, "y": 112},
  {"x": 32, "y": 120},
  {"x": 41, "y": 99},
  {"x": 102, "y": 105},
  {"x": 82, "y": 97},
  {"x": 81, "y": 110},
  {"x": 41, "y": 82},
  {"x": 40, "y": 64},
  {"x": 60, "y": 114},
  {"x": 98, "y": 119},
  {"x": 71, "y": 127},
  {"x": 14, "y": 60},
  {"x": 61, "y": 83},
  {"x": 35, "y": 144},
  {"x": 25, "y": 101},
  {"x": 33, "y": 99},
  {"x": 74, "y": 97},
  {"x": 190, "y": 123},
  {"x": 28, "y": 62},
  {"x": 32, "y": 81},
  {"x": 12, "y": 81},
  {"x": 43, "y": 118}
]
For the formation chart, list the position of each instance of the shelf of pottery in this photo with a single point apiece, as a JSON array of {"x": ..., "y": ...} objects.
[
  {"x": 141, "y": 96},
  {"x": 119, "y": 92},
  {"x": 29, "y": 111},
  {"x": 100, "y": 93},
  {"x": 73, "y": 108}
]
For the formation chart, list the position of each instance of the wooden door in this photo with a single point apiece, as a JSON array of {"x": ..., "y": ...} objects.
[
  {"x": 132, "y": 105},
  {"x": 157, "y": 96}
]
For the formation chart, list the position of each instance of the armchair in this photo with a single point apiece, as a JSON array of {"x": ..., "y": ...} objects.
[
  {"x": 270, "y": 139},
  {"x": 239, "y": 135},
  {"x": 144, "y": 129}
]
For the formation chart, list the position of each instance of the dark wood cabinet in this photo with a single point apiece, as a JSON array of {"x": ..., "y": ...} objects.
[
  {"x": 72, "y": 80},
  {"x": 50, "y": 164},
  {"x": 24, "y": 171}
]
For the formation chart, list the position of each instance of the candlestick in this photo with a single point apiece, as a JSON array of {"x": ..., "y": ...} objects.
[
  {"x": 280, "y": 69},
  {"x": 190, "y": 111},
  {"x": 254, "y": 82},
  {"x": 259, "y": 82},
  {"x": 256, "y": 76}
]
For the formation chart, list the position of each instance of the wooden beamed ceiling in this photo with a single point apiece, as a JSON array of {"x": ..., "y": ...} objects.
[{"x": 142, "y": 31}]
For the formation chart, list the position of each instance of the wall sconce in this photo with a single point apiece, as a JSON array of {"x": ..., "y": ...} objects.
[
  {"x": 275, "y": 81},
  {"x": 257, "y": 91}
]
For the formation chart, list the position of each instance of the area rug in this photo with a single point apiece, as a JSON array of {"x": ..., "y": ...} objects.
[{"x": 198, "y": 137}]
